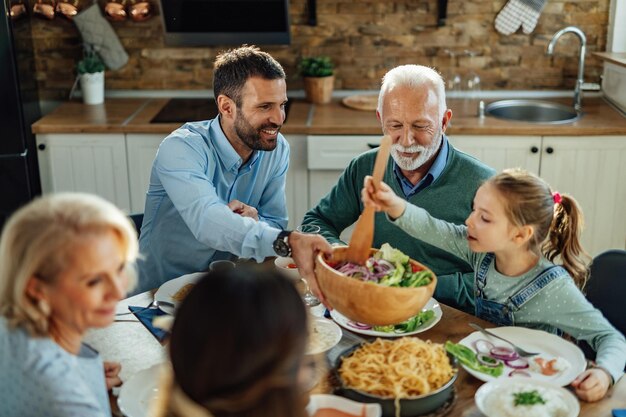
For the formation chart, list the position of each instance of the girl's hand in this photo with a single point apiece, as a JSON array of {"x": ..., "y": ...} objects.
[
  {"x": 111, "y": 374},
  {"x": 592, "y": 385},
  {"x": 384, "y": 199}
]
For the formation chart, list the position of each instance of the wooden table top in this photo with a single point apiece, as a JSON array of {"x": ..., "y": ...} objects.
[{"x": 131, "y": 344}]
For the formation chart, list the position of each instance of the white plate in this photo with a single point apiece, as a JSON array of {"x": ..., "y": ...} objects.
[
  {"x": 171, "y": 287},
  {"x": 548, "y": 345},
  {"x": 139, "y": 392},
  {"x": 319, "y": 401},
  {"x": 346, "y": 323},
  {"x": 494, "y": 388},
  {"x": 329, "y": 335}
]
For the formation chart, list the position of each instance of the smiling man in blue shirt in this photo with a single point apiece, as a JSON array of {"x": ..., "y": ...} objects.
[{"x": 217, "y": 187}]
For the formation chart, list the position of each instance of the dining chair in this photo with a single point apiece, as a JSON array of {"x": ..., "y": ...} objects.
[
  {"x": 137, "y": 219},
  {"x": 606, "y": 287}
]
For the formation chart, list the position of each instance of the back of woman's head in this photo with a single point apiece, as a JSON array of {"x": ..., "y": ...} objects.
[
  {"x": 238, "y": 341},
  {"x": 38, "y": 240},
  {"x": 556, "y": 219}
]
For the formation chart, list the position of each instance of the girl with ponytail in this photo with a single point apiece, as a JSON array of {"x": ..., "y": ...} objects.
[{"x": 517, "y": 230}]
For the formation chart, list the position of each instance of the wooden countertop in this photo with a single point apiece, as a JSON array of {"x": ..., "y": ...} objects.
[
  {"x": 618, "y": 58},
  {"x": 134, "y": 115}
]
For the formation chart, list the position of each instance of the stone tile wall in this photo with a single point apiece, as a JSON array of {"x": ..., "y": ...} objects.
[{"x": 365, "y": 38}]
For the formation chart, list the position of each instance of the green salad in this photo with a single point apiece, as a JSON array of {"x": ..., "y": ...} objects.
[
  {"x": 468, "y": 358},
  {"x": 407, "y": 326}
]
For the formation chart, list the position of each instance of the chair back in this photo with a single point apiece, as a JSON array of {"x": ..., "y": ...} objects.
[
  {"x": 606, "y": 288},
  {"x": 137, "y": 219}
]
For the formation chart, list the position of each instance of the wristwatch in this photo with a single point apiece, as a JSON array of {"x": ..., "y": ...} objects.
[{"x": 281, "y": 244}]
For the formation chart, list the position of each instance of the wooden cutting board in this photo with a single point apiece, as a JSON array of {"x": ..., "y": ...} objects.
[{"x": 366, "y": 102}]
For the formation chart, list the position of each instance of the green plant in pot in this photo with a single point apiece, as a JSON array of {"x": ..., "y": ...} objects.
[
  {"x": 318, "y": 77},
  {"x": 91, "y": 75}
]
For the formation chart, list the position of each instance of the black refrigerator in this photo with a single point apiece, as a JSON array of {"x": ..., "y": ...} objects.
[{"x": 19, "y": 109}]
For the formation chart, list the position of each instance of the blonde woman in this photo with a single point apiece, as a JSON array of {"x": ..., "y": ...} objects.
[{"x": 65, "y": 261}]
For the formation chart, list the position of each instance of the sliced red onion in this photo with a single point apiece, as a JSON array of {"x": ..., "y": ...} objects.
[
  {"x": 483, "y": 346},
  {"x": 504, "y": 353},
  {"x": 487, "y": 360},
  {"x": 519, "y": 372},
  {"x": 358, "y": 325},
  {"x": 519, "y": 363}
]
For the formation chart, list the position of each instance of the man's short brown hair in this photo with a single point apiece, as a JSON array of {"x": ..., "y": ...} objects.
[{"x": 234, "y": 67}]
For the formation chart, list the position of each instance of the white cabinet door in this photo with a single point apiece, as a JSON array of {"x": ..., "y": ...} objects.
[
  {"x": 141, "y": 149},
  {"x": 297, "y": 184},
  {"x": 93, "y": 163},
  {"x": 593, "y": 170},
  {"x": 500, "y": 152},
  {"x": 328, "y": 156}
]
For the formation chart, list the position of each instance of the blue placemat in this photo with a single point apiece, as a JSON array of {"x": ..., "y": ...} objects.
[
  {"x": 619, "y": 413},
  {"x": 145, "y": 316}
]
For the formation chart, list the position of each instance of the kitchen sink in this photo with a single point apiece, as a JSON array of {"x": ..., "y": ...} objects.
[{"x": 532, "y": 111}]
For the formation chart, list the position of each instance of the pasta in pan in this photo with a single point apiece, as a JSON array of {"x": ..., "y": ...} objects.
[{"x": 402, "y": 368}]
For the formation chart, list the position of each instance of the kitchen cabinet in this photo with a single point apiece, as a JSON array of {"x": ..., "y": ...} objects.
[
  {"x": 593, "y": 170},
  {"x": 590, "y": 168},
  {"x": 141, "y": 149},
  {"x": 297, "y": 184},
  {"x": 93, "y": 163},
  {"x": 500, "y": 152}
]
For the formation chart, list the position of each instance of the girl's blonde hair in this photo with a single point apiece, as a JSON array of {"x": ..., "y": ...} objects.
[
  {"x": 556, "y": 219},
  {"x": 38, "y": 240}
]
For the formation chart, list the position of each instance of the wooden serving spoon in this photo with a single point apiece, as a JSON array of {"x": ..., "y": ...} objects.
[{"x": 363, "y": 235}]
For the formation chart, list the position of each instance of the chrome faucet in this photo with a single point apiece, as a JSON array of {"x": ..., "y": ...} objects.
[{"x": 578, "y": 88}]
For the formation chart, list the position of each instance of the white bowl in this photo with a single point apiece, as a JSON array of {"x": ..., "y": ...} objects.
[
  {"x": 282, "y": 263},
  {"x": 497, "y": 388},
  {"x": 319, "y": 401}
]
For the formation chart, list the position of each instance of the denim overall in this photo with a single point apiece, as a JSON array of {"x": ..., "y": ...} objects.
[{"x": 503, "y": 314}]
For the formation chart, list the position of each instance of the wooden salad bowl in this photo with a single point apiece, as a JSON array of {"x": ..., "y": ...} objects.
[{"x": 368, "y": 302}]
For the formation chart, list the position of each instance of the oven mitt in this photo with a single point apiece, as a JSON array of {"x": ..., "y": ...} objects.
[
  {"x": 97, "y": 32},
  {"x": 518, "y": 13}
]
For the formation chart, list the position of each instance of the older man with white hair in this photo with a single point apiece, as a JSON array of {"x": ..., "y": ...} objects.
[{"x": 425, "y": 169}]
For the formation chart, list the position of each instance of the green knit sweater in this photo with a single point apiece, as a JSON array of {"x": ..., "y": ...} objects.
[{"x": 449, "y": 198}]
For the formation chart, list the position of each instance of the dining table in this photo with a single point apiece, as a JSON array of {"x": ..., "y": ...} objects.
[{"x": 127, "y": 341}]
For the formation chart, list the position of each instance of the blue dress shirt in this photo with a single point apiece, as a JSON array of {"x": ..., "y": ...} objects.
[
  {"x": 433, "y": 173},
  {"x": 187, "y": 223}
]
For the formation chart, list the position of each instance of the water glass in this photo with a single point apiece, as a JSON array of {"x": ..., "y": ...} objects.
[{"x": 308, "y": 229}]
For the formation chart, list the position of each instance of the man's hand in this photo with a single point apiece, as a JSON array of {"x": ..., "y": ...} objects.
[
  {"x": 592, "y": 385},
  {"x": 304, "y": 249},
  {"x": 111, "y": 374},
  {"x": 243, "y": 210}
]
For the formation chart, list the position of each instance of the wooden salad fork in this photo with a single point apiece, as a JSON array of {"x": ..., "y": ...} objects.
[{"x": 363, "y": 235}]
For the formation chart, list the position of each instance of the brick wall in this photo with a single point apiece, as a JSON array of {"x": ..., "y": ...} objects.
[{"x": 365, "y": 38}]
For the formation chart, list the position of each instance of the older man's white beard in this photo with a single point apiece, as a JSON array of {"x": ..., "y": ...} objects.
[{"x": 410, "y": 164}]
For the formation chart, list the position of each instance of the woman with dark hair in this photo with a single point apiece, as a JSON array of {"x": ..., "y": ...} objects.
[{"x": 237, "y": 346}]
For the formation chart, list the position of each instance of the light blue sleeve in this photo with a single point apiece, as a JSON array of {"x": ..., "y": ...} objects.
[
  {"x": 182, "y": 168},
  {"x": 563, "y": 306},
  {"x": 447, "y": 236},
  {"x": 273, "y": 206}
]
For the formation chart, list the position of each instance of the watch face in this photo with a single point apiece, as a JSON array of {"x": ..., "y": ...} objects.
[{"x": 281, "y": 248}]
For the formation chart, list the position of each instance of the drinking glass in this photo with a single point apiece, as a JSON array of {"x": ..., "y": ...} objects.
[
  {"x": 309, "y": 298},
  {"x": 453, "y": 80}
]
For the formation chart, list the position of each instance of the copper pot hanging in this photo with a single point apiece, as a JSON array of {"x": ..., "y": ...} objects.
[
  {"x": 44, "y": 8},
  {"x": 139, "y": 10},
  {"x": 68, "y": 8},
  {"x": 17, "y": 10},
  {"x": 115, "y": 10}
]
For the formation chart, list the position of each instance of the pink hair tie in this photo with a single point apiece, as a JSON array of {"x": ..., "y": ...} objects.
[{"x": 556, "y": 197}]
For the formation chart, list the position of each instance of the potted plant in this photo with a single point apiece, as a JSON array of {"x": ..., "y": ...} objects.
[
  {"x": 318, "y": 76},
  {"x": 91, "y": 74}
]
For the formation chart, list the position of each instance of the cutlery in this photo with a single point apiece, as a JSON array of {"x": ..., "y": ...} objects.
[
  {"x": 519, "y": 350},
  {"x": 153, "y": 304},
  {"x": 363, "y": 235}
]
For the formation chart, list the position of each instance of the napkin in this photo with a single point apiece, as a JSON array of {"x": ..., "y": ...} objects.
[
  {"x": 145, "y": 316},
  {"x": 619, "y": 413}
]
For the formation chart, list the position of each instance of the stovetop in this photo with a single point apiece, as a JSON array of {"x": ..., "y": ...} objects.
[{"x": 181, "y": 110}]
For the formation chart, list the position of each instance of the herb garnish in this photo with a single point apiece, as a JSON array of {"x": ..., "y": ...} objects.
[{"x": 528, "y": 398}]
